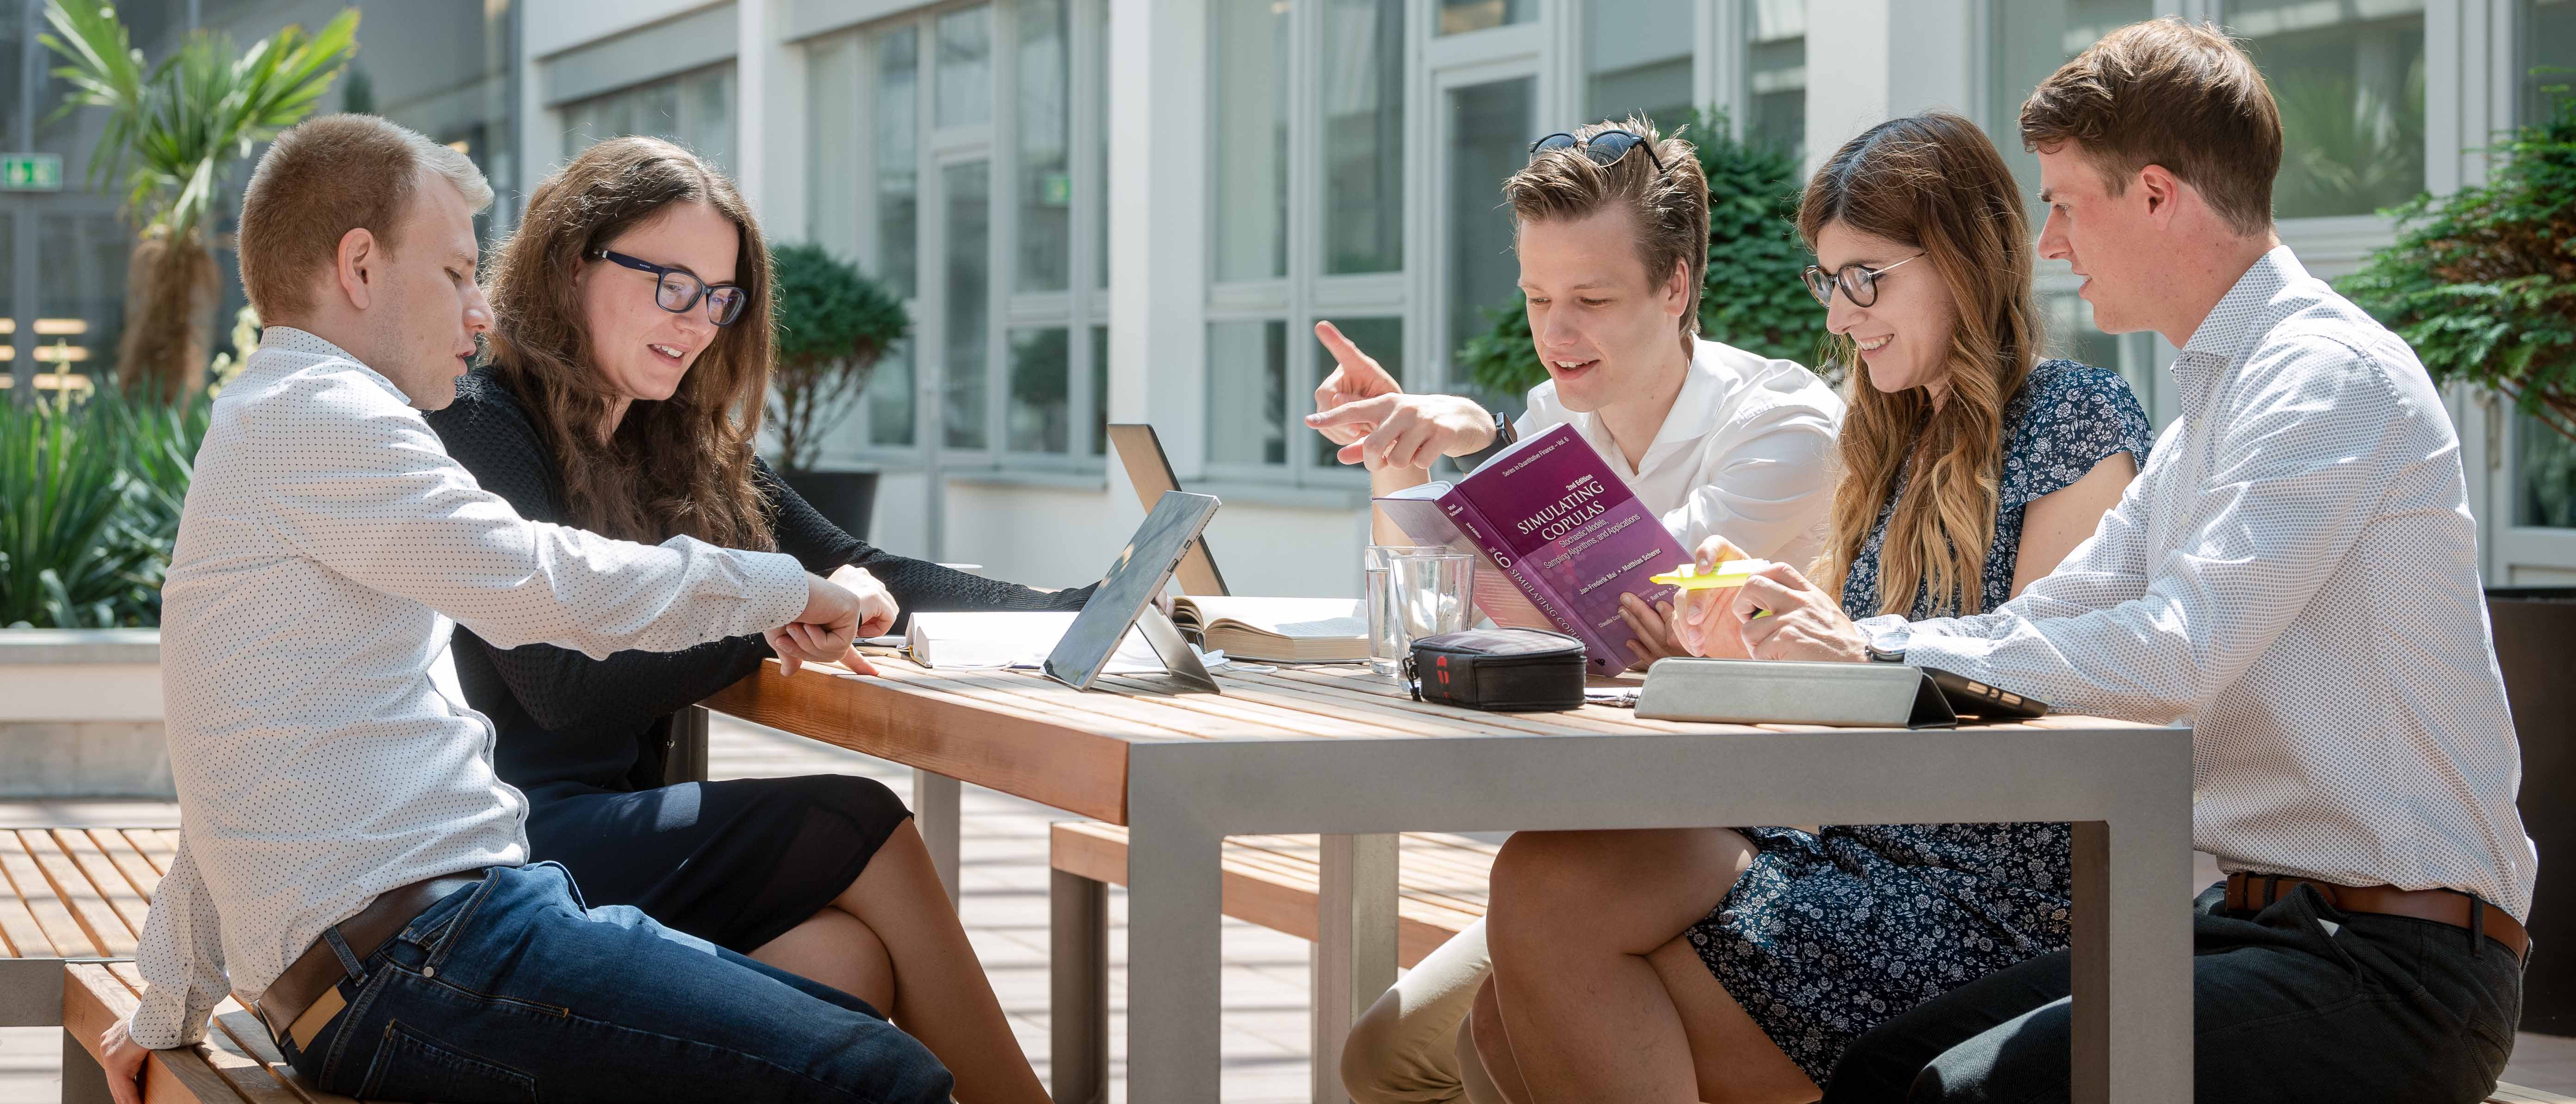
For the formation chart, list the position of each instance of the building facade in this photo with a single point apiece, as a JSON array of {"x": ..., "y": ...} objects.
[{"x": 1135, "y": 210}]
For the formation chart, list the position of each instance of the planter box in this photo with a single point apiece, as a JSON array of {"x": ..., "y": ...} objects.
[
  {"x": 2535, "y": 642},
  {"x": 80, "y": 714}
]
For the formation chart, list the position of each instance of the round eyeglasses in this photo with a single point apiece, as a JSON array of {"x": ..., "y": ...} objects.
[
  {"x": 679, "y": 290},
  {"x": 1859, "y": 282},
  {"x": 1604, "y": 149}
]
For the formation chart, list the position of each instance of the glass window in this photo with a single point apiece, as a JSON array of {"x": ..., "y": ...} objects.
[
  {"x": 832, "y": 166},
  {"x": 1489, "y": 135},
  {"x": 1247, "y": 407},
  {"x": 2546, "y": 460},
  {"x": 967, "y": 191},
  {"x": 1637, "y": 59},
  {"x": 1363, "y": 120},
  {"x": 890, "y": 414},
  {"x": 966, "y": 66},
  {"x": 1382, "y": 338},
  {"x": 1459, "y": 16},
  {"x": 1775, "y": 72},
  {"x": 80, "y": 304},
  {"x": 1100, "y": 390},
  {"x": 897, "y": 154},
  {"x": 2032, "y": 41},
  {"x": 1045, "y": 169},
  {"x": 2350, "y": 81},
  {"x": 694, "y": 110},
  {"x": 1251, "y": 139},
  {"x": 1041, "y": 391},
  {"x": 2549, "y": 44}
]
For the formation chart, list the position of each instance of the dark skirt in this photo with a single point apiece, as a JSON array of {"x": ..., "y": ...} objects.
[
  {"x": 1830, "y": 934},
  {"x": 736, "y": 863}
]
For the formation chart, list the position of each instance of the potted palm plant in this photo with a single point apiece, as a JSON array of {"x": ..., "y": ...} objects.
[
  {"x": 2483, "y": 284},
  {"x": 174, "y": 132},
  {"x": 833, "y": 325}
]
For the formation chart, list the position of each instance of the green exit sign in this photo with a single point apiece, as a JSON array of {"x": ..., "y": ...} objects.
[{"x": 31, "y": 172}]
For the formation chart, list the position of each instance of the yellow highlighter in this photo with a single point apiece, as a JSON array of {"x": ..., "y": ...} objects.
[{"x": 1732, "y": 573}]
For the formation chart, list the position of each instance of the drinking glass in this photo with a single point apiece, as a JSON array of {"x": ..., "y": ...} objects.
[
  {"x": 1386, "y": 644},
  {"x": 1421, "y": 592}
]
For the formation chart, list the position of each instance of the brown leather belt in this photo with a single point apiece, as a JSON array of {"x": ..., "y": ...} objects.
[
  {"x": 307, "y": 995},
  {"x": 2254, "y": 892}
]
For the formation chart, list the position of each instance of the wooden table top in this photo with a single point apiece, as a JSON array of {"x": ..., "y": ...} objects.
[
  {"x": 1031, "y": 737},
  {"x": 1024, "y": 734}
]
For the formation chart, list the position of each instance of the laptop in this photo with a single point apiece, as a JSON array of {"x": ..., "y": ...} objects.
[{"x": 1149, "y": 468}]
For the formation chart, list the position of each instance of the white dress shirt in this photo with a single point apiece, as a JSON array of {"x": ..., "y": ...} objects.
[
  {"x": 326, "y": 540},
  {"x": 2294, "y": 573},
  {"x": 1747, "y": 453}
]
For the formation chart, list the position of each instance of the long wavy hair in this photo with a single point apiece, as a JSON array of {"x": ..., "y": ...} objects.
[
  {"x": 1935, "y": 183},
  {"x": 678, "y": 466}
]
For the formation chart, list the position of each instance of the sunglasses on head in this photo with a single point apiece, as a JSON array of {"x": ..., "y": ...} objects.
[
  {"x": 1604, "y": 149},
  {"x": 1859, "y": 282}
]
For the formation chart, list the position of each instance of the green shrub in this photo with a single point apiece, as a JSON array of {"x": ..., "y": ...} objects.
[
  {"x": 1751, "y": 297},
  {"x": 2483, "y": 282},
  {"x": 90, "y": 492},
  {"x": 833, "y": 324}
]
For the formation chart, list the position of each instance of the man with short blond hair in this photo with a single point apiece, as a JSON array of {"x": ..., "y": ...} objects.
[
  {"x": 2294, "y": 574},
  {"x": 349, "y": 865}
]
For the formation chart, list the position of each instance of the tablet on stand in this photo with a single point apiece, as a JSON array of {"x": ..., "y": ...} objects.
[{"x": 1126, "y": 598}]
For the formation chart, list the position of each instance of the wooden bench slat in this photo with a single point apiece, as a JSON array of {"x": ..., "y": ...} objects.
[
  {"x": 1263, "y": 882},
  {"x": 20, "y": 935},
  {"x": 159, "y": 845},
  {"x": 105, "y": 876},
  {"x": 130, "y": 861},
  {"x": 62, "y": 931},
  {"x": 107, "y": 930},
  {"x": 94, "y": 998},
  {"x": 237, "y": 1050}
]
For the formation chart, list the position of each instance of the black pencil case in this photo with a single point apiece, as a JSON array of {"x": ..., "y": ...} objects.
[{"x": 1503, "y": 670}]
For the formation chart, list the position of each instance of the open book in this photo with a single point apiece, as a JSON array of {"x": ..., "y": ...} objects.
[{"x": 1281, "y": 630}]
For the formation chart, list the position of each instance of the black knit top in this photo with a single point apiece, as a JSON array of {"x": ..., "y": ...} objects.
[{"x": 567, "y": 720}]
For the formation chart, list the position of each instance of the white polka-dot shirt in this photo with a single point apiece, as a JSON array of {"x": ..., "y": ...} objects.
[
  {"x": 2294, "y": 573},
  {"x": 326, "y": 541}
]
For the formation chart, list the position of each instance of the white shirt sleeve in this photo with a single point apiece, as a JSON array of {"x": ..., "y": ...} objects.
[
  {"x": 1770, "y": 490},
  {"x": 2298, "y": 474},
  {"x": 383, "y": 504},
  {"x": 181, "y": 957}
]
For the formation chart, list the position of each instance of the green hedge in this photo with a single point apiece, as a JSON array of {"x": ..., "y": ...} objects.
[{"x": 90, "y": 492}]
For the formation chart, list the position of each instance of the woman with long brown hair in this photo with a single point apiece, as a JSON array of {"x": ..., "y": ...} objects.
[
  {"x": 623, "y": 394},
  {"x": 1737, "y": 964}
]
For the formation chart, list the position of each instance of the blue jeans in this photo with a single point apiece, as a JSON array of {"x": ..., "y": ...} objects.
[{"x": 512, "y": 988}]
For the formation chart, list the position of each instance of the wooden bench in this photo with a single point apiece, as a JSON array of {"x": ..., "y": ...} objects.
[
  {"x": 67, "y": 895},
  {"x": 236, "y": 1064},
  {"x": 1271, "y": 881}
]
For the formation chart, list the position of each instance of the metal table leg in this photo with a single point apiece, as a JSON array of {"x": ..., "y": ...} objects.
[
  {"x": 1354, "y": 955},
  {"x": 935, "y": 800},
  {"x": 1078, "y": 981}
]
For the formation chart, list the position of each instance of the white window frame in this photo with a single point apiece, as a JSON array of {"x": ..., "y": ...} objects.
[{"x": 1082, "y": 305}]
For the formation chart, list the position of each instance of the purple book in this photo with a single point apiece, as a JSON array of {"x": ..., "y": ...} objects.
[{"x": 1562, "y": 533}]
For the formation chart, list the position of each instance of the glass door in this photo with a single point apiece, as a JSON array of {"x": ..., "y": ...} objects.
[{"x": 1488, "y": 115}]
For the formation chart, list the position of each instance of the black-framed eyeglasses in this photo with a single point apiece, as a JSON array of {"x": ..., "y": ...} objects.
[
  {"x": 1858, "y": 281},
  {"x": 1604, "y": 149},
  {"x": 678, "y": 290}
]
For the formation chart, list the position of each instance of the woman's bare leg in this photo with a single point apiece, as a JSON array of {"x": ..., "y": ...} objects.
[
  {"x": 835, "y": 948},
  {"x": 937, "y": 991},
  {"x": 1574, "y": 919},
  {"x": 1496, "y": 1064}
]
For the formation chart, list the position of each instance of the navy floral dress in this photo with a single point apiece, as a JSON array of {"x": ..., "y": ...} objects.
[{"x": 1832, "y": 933}]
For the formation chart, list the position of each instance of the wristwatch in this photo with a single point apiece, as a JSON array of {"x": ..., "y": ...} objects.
[
  {"x": 1889, "y": 646},
  {"x": 1503, "y": 434}
]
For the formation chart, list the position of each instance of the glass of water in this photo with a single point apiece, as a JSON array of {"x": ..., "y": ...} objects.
[{"x": 1413, "y": 592}]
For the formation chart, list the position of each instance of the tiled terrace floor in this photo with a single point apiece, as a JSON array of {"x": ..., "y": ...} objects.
[{"x": 1004, "y": 882}]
